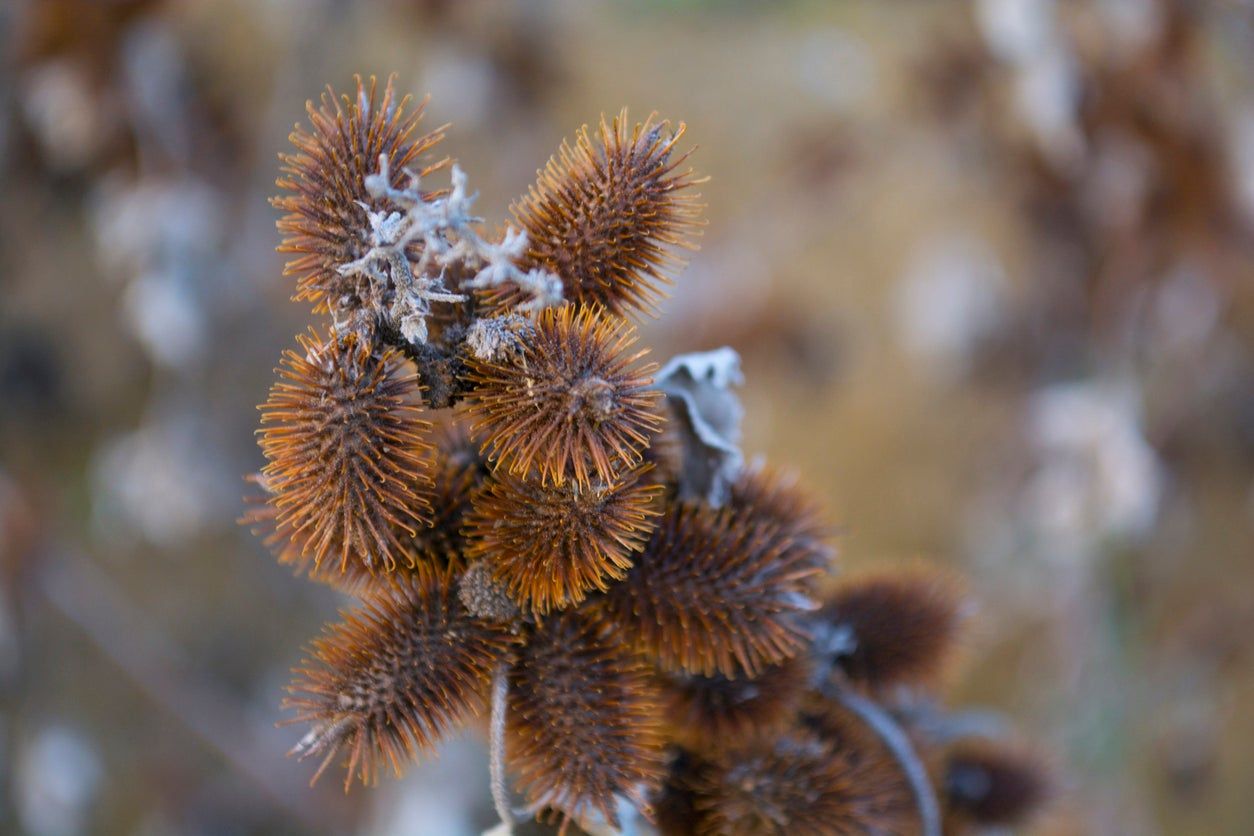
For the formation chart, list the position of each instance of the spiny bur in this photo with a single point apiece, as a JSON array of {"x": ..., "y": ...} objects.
[
  {"x": 709, "y": 713},
  {"x": 457, "y": 472},
  {"x": 584, "y": 721},
  {"x": 798, "y": 785},
  {"x": 550, "y": 545},
  {"x": 993, "y": 783},
  {"x": 608, "y": 214},
  {"x": 290, "y": 548},
  {"x": 905, "y": 624},
  {"x": 324, "y": 184},
  {"x": 573, "y": 403},
  {"x": 345, "y": 437},
  {"x": 394, "y": 677},
  {"x": 715, "y": 591}
]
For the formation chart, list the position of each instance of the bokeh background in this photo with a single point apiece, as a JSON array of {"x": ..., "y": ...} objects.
[{"x": 990, "y": 266}]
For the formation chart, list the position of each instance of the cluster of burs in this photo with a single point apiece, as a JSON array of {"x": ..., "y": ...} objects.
[{"x": 545, "y": 531}]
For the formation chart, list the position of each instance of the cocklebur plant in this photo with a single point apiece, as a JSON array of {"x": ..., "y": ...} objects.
[{"x": 544, "y": 527}]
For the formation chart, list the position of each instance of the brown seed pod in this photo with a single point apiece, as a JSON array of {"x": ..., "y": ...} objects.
[
  {"x": 572, "y": 403},
  {"x": 797, "y": 784},
  {"x": 906, "y": 622},
  {"x": 774, "y": 495},
  {"x": 608, "y": 215},
  {"x": 550, "y": 545},
  {"x": 326, "y": 199},
  {"x": 582, "y": 725},
  {"x": 709, "y": 713},
  {"x": 394, "y": 676},
  {"x": 343, "y": 434},
  {"x": 714, "y": 592},
  {"x": 994, "y": 783}
]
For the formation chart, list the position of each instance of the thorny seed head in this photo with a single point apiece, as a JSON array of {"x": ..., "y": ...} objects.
[
  {"x": 774, "y": 495},
  {"x": 583, "y": 721},
  {"x": 550, "y": 545},
  {"x": 394, "y": 677},
  {"x": 325, "y": 196},
  {"x": 344, "y": 437},
  {"x": 799, "y": 785},
  {"x": 712, "y": 606},
  {"x": 715, "y": 591},
  {"x": 607, "y": 216},
  {"x": 905, "y": 623},
  {"x": 573, "y": 403},
  {"x": 994, "y": 783}
]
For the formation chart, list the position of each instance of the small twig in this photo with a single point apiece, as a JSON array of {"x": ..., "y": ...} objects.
[
  {"x": 883, "y": 724},
  {"x": 496, "y": 743}
]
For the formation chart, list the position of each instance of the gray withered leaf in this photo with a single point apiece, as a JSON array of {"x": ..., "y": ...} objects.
[{"x": 698, "y": 387}]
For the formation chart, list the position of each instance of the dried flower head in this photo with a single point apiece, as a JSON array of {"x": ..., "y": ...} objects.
[
  {"x": 582, "y": 724},
  {"x": 326, "y": 200},
  {"x": 572, "y": 403},
  {"x": 550, "y": 545},
  {"x": 709, "y": 713},
  {"x": 994, "y": 783},
  {"x": 774, "y": 495},
  {"x": 344, "y": 436},
  {"x": 715, "y": 591},
  {"x": 394, "y": 676},
  {"x": 607, "y": 215},
  {"x": 799, "y": 785},
  {"x": 905, "y": 623}
]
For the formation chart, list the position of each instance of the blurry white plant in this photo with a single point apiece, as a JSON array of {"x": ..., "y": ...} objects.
[
  {"x": 951, "y": 298},
  {"x": 1025, "y": 34},
  {"x": 158, "y": 236},
  {"x": 58, "y": 776},
  {"x": 1097, "y": 480}
]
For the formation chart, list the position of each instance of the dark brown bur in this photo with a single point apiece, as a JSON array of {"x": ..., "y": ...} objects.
[
  {"x": 583, "y": 722},
  {"x": 550, "y": 545},
  {"x": 607, "y": 215},
  {"x": 993, "y": 783},
  {"x": 798, "y": 785},
  {"x": 325, "y": 195},
  {"x": 457, "y": 471},
  {"x": 715, "y": 591},
  {"x": 394, "y": 677},
  {"x": 905, "y": 623},
  {"x": 344, "y": 436},
  {"x": 573, "y": 403},
  {"x": 709, "y": 713}
]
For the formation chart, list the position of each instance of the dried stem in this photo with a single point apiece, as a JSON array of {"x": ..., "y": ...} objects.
[
  {"x": 887, "y": 729},
  {"x": 496, "y": 743}
]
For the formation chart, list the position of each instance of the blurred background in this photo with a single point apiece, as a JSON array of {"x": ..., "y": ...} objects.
[{"x": 990, "y": 266}]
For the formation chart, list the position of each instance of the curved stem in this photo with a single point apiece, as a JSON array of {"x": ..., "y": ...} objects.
[
  {"x": 882, "y": 723},
  {"x": 496, "y": 743}
]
